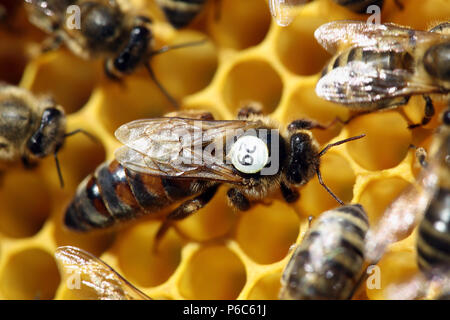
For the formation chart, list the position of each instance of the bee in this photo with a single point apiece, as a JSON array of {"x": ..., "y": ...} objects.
[
  {"x": 31, "y": 128},
  {"x": 94, "y": 274},
  {"x": 425, "y": 203},
  {"x": 105, "y": 31},
  {"x": 382, "y": 66},
  {"x": 184, "y": 158},
  {"x": 329, "y": 261},
  {"x": 433, "y": 241},
  {"x": 282, "y": 10}
]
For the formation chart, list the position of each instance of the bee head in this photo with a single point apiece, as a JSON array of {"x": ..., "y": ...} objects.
[
  {"x": 49, "y": 137},
  {"x": 446, "y": 117},
  {"x": 101, "y": 24},
  {"x": 135, "y": 51},
  {"x": 303, "y": 160},
  {"x": 437, "y": 61}
]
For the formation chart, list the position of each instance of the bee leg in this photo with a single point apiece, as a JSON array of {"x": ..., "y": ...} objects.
[
  {"x": 306, "y": 124},
  {"x": 250, "y": 109},
  {"x": 183, "y": 211},
  {"x": 428, "y": 113},
  {"x": 238, "y": 200},
  {"x": 51, "y": 43},
  {"x": 289, "y": 194},
  {"x": 27, "y": 163},
  {"x": 421, "y": 156}
]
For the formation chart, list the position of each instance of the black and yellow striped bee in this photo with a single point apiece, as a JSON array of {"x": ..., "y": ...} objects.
[
  {"x": 433, "y": 242},
  {"x": 31, "y": 128},
  {"x": 425, "y": 203},
  {"x": 329, "y": 262},
  {"x": 282, "y": 10},
  {"x": 84, "y": 271},
  {"x": 181, "y": 12},
  {"x": 185, "y": 156},
  {"x": 105, "y": 31},
  {"x": 379, "y": 66}
]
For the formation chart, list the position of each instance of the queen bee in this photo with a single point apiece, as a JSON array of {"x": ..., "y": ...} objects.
[{"x": 180, "y": 159}]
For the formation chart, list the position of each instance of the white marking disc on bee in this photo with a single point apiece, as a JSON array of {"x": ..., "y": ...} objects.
[{"x": 249, "y": 154}]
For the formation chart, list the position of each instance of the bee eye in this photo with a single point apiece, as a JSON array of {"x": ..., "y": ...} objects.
[{"x": 249, "y": 154}]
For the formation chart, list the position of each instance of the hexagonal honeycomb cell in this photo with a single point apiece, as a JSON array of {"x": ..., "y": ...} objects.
[{"x": 216, "y": 253}]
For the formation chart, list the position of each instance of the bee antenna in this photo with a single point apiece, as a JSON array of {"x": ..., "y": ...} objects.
[
  {"x": 58, "y": 168},
  {"x": 160, "y": 86},
  {"x": 87, "y": 134},
  {"x": 177, "y": 46},
  {"x": 331, "y": 145},
  {"x": 321, "y": 153}
]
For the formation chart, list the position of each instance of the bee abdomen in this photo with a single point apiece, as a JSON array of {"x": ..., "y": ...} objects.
[
  {"x": 181, "y": 12},
  {"x": 113, "y": 195},
  {"x": 433, "y": 243},
  {"x": 329, "y": 261}
]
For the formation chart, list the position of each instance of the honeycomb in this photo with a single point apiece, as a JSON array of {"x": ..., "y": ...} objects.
[{"x": 216, "y": 253}]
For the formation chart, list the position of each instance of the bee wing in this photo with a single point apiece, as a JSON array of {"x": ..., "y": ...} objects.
[
  {"x": 336, "y": 35},
  {"x": 96, "y": 274},
  {"x": 402, "y": 215},
  {"x": 358, "y": 82},
  {"x": 179, "y": 147},
  {"x": 47, "y": 14},
  {"x": 281, "y": 10}
]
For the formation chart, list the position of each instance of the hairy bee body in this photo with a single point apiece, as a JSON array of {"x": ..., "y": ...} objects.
[
  {"x": 114, "y": 194},
  {"x": 382, "y": 66},
  {"x": 382, "y": 60},
  {"x": 250, "y": 155},
  {"x": 328, "y": 262},
  {"x": 433, "y": 242},
  {"x": 105, "y": 31},
  {"x": 181, "y": 12},
  {"x": 30, "y": 128}
]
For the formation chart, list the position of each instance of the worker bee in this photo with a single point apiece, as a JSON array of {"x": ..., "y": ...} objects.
[
  {"x": 384, "y": 65},
  {"x": 426, "y": 203},
  {"x": 106, "y": 31},
  {"x": 94, "y": 274},
  {"x": 186, "y": 156},
  {"x": 433, "y": 241},
  {"x": 329, "y": 261},
  {"x": 31, "y": 128},
  {"x": 282, "y": 10}
]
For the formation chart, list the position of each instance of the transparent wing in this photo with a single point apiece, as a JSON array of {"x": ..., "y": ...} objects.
[
  {"x": 96, "y": 275},
  {"x": 45, "y": 14},
  {"x": 338, "y": 35},
  {"x": 359, "y": 83},
  {"x": 180, "y": 148},
  {"x": 282, "y": 11}
]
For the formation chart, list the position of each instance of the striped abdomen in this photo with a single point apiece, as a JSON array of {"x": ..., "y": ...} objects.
[
  {"x": 433, "y": 243},
  {"x": 114, "y": 194},
  {"x": 328, "y": 262},
  {"x": 359, "y": 6},
  {"x": 181, "y": 12},
  {"x": 382, "y": 60}
]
